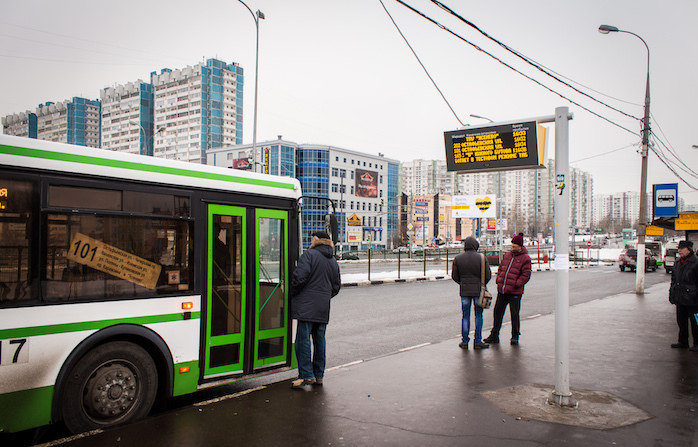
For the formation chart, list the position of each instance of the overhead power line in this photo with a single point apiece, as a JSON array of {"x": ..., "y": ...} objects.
[
  {"x": 525, "y": 58},
  {"x": 443, "y": 27},
  {"x": 420, "y": 63}
]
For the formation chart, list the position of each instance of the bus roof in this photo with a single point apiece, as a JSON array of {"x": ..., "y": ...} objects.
[{"x": 80, "y": 160}]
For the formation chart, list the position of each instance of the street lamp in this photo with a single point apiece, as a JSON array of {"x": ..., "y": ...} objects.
[
  {"x": 256, "y": 17},
  {"x": 139, "y": 138},
  {"x": 642, "y": 224}
]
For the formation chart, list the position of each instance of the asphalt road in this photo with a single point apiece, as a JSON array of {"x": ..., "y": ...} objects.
[{"x": 372, "y": 321}]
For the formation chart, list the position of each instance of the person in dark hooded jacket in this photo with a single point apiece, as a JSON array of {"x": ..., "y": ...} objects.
[
  {"x": 684, "y": 294},
  {"x": 316, "y": 279},
  {"x": 466, "y": 271},
  {"x": 512, "y": 275}
]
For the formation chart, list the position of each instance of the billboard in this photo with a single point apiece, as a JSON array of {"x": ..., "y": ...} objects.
[
  {"x": 366, "y": 183},
  {"x": 474, "y": 206},
  {"x": 497, "y": 147},
  {"x": 244, "y": 164}
]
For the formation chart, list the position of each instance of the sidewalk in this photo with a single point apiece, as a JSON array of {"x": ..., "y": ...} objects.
[{"x": 440, "y": 395}]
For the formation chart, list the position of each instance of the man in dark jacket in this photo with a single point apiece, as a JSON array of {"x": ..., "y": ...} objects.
[
  {"x": 466, "y": 271},
  {"x": 684, "y": 294},
  {"x": 514, "y": 272},
  {"x": 316, "y": 280}
]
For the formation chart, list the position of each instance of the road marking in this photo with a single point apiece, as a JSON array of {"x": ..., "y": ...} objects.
[
  {"x": 534, "y": 316},
  {"x": 71, "y": 438},
  {"x": 413, "y": 347},
  {"x": 229, "y": 396},
  {"x": 345, "y": 365}
]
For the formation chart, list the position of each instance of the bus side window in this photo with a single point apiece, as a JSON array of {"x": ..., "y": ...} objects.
[{"x": 18, "y": 205}]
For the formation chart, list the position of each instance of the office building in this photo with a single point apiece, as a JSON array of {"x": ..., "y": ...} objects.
[{"x": 363, "y": 187}]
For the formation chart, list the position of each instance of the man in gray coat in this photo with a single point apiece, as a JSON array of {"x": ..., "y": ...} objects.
[
  {"x": 316, "y": 279},
  {"x": 466, "y": 271},
  {"x": 684, "y": 294}
]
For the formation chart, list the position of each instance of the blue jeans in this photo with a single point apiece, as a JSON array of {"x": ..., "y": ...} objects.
[
  {"x": 465, "y": 301},
  {"x": 308, "y": 369}
]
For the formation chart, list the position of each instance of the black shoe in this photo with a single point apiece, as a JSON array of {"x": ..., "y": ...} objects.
[
  {"x": 318, "y": 382},
  {"x": 693, "y": 348},
  {"x": 302, "y": 383},
  {"x": 679, "y": 345},
  {"x": 491, "y": 340},
  {"x": 481, "y": 346},
  {"x": 463, "y": 345},
  {"x": 514, "y": 341}
]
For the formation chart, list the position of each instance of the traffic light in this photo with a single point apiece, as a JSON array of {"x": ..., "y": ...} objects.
[{"x": 382, "y": 203}]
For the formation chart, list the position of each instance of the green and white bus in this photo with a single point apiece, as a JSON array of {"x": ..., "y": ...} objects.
[{"x": 127, "y": 279}]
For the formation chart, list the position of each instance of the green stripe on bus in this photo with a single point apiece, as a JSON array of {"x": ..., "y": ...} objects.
[
  {"x": 25, "y": 409},
  {"x": 35, "y": 331},
  {"x": 85, "y": 159}
]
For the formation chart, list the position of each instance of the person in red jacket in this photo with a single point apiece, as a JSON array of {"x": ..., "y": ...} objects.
[{"x": 514, "y": 272}]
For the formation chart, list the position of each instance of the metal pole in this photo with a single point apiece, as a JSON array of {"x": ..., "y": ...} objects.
[
  {"x": 562, "y": 395},
  {"x": 642, "y": 224},
  {"x": 259, "y": 15}
]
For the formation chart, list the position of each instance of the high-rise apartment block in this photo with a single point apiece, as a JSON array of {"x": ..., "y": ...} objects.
[
  {"x": 199, "y": 107},
  {"x": 127, "y": 118},
  {"x": 76, "y": 121}
]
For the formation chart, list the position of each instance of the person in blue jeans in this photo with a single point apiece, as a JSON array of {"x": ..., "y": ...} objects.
[
  {"x": 466, "y": 271},
  {"x": 316, "y": 280}
]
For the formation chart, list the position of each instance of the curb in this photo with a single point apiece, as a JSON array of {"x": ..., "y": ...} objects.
[{"x": 394, "y": 281}]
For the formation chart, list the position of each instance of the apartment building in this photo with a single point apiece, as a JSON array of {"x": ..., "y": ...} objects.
[
  {"x": 199, "y": 107},
  {"x": 127, "y": 118}
]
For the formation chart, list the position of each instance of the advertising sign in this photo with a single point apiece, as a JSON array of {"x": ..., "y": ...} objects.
[
  {"x": 686, "y": 222},
  {"x": 244, "y": 164},
  {"x": 366, "y": 183},
  {"x": 666, "y": 199},
  {"x": 497, "y": 147},
  {"x": 421, "y": 203},
  {"x": 472, "y": 207},
  {"x": 354, "y": 235}
]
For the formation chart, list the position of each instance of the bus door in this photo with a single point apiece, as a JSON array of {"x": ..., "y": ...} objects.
[
  {"x": 226, "y": 306},
  {"x": 272, "y": 288}
]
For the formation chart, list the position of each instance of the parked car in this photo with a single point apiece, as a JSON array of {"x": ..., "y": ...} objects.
[
  {"x": 670, "y": 254},
  {"x": 349, "y": 256},
  {"x": 628, "y": 259},
  {"x": 492, "y": 256}
]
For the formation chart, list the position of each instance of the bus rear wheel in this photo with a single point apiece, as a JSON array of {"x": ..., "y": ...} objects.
[{"x": 113, "y": 384}]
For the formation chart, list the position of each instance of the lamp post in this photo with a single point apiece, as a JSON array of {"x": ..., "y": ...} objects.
[
  {"x": 256, "y": 17},
  {"x": 642, "y": 223},
  {"x": 139, "y": 138}
]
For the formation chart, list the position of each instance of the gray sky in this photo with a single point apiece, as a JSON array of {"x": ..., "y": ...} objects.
[{"x": 339, "y": 73}]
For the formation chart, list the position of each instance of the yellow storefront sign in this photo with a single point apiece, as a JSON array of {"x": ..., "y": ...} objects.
[
  {"x": 654, "y": 231},
  {"x": 686, "y": 222},
  {"x": 108, "y": 259},
  {"x": 354, "y": 220}
]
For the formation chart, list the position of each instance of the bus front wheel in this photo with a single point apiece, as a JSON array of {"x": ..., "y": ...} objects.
[{"x": 113, "y": 384}]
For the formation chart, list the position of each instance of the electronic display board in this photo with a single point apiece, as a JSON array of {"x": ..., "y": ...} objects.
[{"x": 497, "y": 147}]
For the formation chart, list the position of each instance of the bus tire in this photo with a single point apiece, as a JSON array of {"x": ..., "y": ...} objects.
[{"x": 113, "y": 384}]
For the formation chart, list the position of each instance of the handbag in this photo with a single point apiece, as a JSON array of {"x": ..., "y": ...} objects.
[{"x": 485, "y": 298}]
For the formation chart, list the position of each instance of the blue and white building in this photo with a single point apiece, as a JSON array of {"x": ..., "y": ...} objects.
[
  {"x": 363, "y": 187},
  {"x": 127, "y": 118},
  {"x": 199, "y": 108}
]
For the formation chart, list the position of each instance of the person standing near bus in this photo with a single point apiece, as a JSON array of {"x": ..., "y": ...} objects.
[
  {"x": 684, "y": 294},
  {"x": 467, "y": 272},
  {"x": 513, "y": 274},
  {"x": 316, "y": 280}
]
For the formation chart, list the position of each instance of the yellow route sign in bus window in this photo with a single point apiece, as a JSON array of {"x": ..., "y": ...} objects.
[{"x": 105, "y": 258}]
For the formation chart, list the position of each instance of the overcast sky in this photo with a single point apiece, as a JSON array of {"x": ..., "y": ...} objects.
[{"x": 339, "y": 73}]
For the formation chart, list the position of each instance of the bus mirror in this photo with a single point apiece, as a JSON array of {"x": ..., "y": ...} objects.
[{"x": 332, "y": 227}]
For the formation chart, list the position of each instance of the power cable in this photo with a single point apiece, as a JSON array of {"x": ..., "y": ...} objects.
[
  {"x": 525, "y": 58},
  {"x": 605, "y": 153},
  {"x": 420, "y": 63},
  {"x": 512, "y": 68}
]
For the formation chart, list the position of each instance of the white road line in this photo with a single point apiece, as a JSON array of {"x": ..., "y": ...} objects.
[
  {"x": 413, "y": 347},
  {"x": 345, "y": 365},
  {"x": 229, "y": 396},
  {"x": 534, "y": 316}
]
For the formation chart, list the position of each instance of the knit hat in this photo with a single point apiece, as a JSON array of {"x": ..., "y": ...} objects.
[
  {"x": 321, "y": 234},
  {"x": 518, "y": 240},
  {"x": 686, "y": 244}
]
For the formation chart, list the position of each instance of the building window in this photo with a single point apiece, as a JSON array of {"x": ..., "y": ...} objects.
[{"x": 351, "y": 205}]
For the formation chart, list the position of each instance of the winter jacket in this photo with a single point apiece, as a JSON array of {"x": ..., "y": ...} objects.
[
  {"x": 514, "y": 272},
  {"x": 316, "y": 279},
  {"x": 466, "y": 269},
  {"x": 684, "y": 282}
]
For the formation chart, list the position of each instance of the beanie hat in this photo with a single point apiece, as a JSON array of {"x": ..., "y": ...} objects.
[
  {"x": 518, "y": 240},
  {"x": 686, "y": 244},
  {"x": 321, "y": 234}
]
